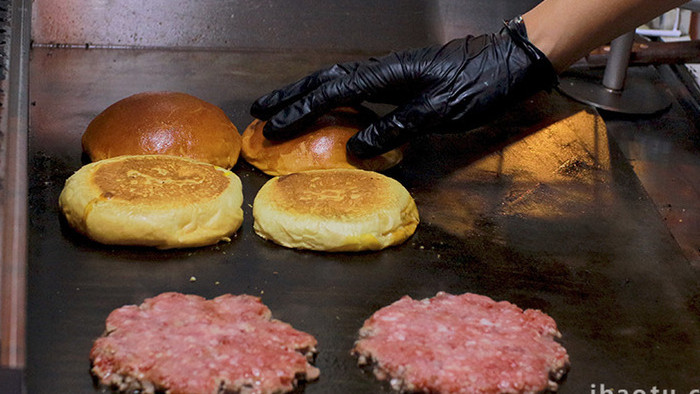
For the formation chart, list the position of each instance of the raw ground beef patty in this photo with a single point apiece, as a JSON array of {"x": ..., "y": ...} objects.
[
  {"x": 180, "y": 343},
  {"x": 462, "y": 344}
]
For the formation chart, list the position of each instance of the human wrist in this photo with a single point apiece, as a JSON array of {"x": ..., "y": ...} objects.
[
  {"x": 545, "y": 41},
  {"x": 540, "y": 64}
]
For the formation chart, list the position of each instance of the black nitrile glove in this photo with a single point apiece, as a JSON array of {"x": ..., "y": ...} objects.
[{"x": 440, "y": 89}]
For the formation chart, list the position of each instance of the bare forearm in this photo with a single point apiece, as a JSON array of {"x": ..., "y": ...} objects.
[{"x": 566, "y": 30}]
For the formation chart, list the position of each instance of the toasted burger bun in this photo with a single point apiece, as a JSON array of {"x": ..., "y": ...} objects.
[
  {"x": 322, "y": 146},
  {"x": 164, "y": 123},
  {"x": 153, "y": 200},
  {"x": 335, "y": 210}
]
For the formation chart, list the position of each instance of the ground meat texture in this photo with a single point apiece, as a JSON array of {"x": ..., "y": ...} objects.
[
  {"x": 462, "y": 344},
  {"x": 178, "y": 343}
]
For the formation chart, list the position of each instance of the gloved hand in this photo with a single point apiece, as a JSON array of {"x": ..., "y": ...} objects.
[{"x": 441, "y": 89}]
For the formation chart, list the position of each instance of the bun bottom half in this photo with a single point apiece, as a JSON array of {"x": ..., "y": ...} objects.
[
  {"x": 153, "y": 200},
  {"x": 336, "y": 210}
]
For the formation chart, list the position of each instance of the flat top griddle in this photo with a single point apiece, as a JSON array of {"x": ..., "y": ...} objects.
[{"x": 587, "y": 247}]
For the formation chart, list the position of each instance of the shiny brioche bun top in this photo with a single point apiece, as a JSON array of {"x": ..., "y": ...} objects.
[
  {"x": 320, "y": 146},
  {"x": 169, "y": 123}
]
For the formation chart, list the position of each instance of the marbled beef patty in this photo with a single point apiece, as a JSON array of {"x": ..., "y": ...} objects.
[
  {"x": 186, "y": 344},
  {"x": 462, "y": 344}
]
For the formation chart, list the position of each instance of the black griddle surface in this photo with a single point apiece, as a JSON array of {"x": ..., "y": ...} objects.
[{"x": 590, "y": 250}]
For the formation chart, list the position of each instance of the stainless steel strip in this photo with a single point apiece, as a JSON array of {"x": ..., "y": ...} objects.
[{"x": 14, "y": 250}]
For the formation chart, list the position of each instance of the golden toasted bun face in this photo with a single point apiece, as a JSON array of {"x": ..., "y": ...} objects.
[
  {"x": 321, "y": 146},
  {"x": 163, "y": 123},
  {"x": 153, "y": 200},
  {"x": 335, "y": 210}
]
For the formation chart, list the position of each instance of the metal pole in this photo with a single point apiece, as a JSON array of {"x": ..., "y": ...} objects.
[
  {"x": 617, "y": 92},
  {"x": 616, "y": 67}
]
